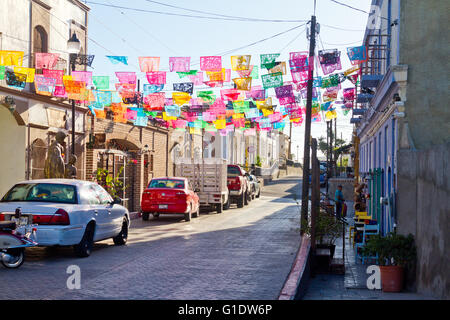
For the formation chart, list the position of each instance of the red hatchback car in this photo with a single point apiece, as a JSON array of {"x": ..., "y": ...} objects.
[{"x": 170, "y": 195}]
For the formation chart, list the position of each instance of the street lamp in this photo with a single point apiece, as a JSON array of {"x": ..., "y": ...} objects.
[{"x": 73, "y": 47}]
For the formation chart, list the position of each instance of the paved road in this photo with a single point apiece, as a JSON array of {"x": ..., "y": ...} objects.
[{"x": 240, "y": 254}]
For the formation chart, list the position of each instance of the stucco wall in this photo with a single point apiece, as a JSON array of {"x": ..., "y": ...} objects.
[
  {"x": 424, "y": 210},
  {"x": 424, "y": 48},
  {"x": 12, "y": 147},
  {"x": 347, "y": 188}
]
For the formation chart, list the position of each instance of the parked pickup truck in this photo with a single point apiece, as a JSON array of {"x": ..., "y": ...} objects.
[
  {"x": 238, "y": 185},
  {"x": 209, "y": 177}
]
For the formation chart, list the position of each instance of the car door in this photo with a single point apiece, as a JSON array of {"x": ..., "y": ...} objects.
[
  {"x": 113, "y": 213},
  {"x": 96, "y": 210},
  {"x": 195, "y": 198}
]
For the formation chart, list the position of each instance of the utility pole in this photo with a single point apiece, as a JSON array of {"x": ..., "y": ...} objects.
[
  {"x": 328, "y": 152},
  {"x": 306, "y": 158},
  {"x": 335, "y": 145},
  {"x": 290, "y": 139}
]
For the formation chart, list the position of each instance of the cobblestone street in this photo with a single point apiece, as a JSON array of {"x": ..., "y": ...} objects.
[{"x": 240, "y": 254}]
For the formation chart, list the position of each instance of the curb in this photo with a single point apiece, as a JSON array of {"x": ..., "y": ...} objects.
[
  {"x": 297, "y": 274},
  {"x": 135, "y": 215}
]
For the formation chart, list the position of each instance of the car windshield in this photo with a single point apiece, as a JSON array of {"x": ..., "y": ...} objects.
[
  {"x": 234, "y": 171},
  {"x": 42, "y": 192},
  {"x": 167, "y": 183}
]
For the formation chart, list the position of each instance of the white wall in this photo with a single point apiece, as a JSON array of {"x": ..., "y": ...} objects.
[{"x": 12, "y": 147}]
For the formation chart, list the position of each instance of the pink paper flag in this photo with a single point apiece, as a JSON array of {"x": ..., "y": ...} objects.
[
  {"x": 46, "y": 60},
  {"x": 60, "y": 91},
  {"x": 55, "y": 74},
  {"x": 85, "y": 76},
  {"x": 179, "y": 64},
  {"x": 209, "y": 116},
  {"x": 149, "y": 64},
  {"x": 155, "y": 101},
  {"x": 197, "y": 79},
  {"x": 157, "y": 77},
  {"x": 131, "y": 114},
  {"x": 126, "y": 77},
  {"x": 211, "y": 63}
]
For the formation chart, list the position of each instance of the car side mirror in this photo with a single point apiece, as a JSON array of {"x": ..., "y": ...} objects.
[{"x": 117, "y": 200}]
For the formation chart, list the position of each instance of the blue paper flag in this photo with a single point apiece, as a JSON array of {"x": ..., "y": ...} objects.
[{"x": 118, "y": 59}]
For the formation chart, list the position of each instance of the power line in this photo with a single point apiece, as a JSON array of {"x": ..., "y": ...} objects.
[
  {"x": 194, "y": 16},
  {"x": 114, "y": 33},
  {"x": 296, "y": 37},
  {"x": 223, "y": 15},
  {"x": 259, "y": 41},
  {"x": 146, "y": 31},
  {"x": 340, "y": 28},
  {"x": 348, "y": 6},
  {"x": 89, "y": 38}
]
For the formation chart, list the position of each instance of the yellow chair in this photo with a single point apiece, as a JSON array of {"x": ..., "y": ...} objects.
[{"x": 360, "y": 217}]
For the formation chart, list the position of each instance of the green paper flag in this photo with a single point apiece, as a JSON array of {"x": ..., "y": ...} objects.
[
  {"x": 188, "y": 73},
  {"x": 255, "y": 73},
  {"x": 207, "y": 96},
  {"x": 241, "y": 106},
  {"x": 268, "y": 58},
  {"x": 101, "y": 82},
  {"x": 272, "y": 80}
]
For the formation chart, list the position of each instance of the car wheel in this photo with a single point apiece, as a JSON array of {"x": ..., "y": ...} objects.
[
  {"x": 226, "y": 206},
  {"x": 197, "y": 213},
  {"x": 84, "y": 248},
  {"x": 155, "y": 215},
  {"x": 15, "y": 258},
  {"x": 188, "y": 215},
  {"x": 145, "y": 216},
  {"x": 240, "y": 202},
  {"x": 122, "y": 237},
  {"x": 219, "y": 207}
]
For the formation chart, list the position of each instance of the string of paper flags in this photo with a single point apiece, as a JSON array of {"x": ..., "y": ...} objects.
[{"x": 185, "y": 105}]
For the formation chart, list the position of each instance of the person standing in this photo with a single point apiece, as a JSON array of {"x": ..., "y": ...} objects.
[
  {"x": 54, "y": 164},
  {"x": 339, "y": 200}
]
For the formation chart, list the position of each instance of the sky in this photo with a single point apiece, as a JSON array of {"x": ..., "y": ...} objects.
[{"x": 114, "y": 31}]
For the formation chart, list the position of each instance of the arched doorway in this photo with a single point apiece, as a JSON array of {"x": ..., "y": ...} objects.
[
  {"x": 12, "y": 147},
  {"x": 38, "y": 154},
  {"x": 121, "y": 160}
]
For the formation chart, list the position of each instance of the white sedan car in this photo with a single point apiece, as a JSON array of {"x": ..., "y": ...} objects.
[{"x": 67, "y": 212}]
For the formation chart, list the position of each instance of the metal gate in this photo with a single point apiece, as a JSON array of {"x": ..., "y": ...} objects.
[{"x": 118, "y": 164}]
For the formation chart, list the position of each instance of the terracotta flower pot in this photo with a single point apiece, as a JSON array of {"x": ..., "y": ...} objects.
[{"x": 391, "y": 278}]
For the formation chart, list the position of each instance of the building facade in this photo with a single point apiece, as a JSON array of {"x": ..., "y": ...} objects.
[
  {"x": 29, "y": 121},
  {"x": 235, "y": 147},
  {"x": 404, "y": 131}
]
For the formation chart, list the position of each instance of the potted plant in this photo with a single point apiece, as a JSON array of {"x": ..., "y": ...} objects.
[
  {"x": 327, "y": 230},
  {"x": 395, "y": 253}
]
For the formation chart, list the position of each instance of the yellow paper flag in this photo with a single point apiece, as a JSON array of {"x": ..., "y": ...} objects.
[
  {"x": 28, "y": 71},
  {"x": 240, "y": 62},
  {"x": 220, "y": 123},
  {"x": 180, "y": 98},
  {"x": 11, "y": 58},
  {"x": 331, "y": 114},
  {"x": 243, "y": 83}
]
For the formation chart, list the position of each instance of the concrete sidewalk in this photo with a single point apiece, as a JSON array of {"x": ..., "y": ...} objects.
[{"x": 352, "y": 285}]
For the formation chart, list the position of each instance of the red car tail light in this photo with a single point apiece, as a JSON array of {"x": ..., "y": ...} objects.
[
  {"x": 234, "y": 183},
  {"x": 2, "y": 217},
  {"x": 60, "y": 217}
]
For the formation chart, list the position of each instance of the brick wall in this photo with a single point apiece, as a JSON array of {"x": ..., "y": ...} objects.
[{"x": 134, "y": 139}]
